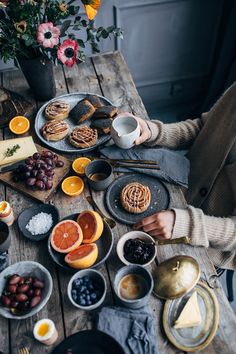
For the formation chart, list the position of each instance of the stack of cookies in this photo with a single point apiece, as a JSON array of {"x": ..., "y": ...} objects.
[{"x": 82, "y": 136}]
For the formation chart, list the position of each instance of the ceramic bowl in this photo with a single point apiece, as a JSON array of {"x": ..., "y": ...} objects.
[
  {"x": 28, "y": 213},
  {"x": 92, "y": 274},
  {"x": 99, "y": 167},
  {"x": 132, "y": 235},
  {"x": 27, "y": 268},
  {"x": 143, "y": 273},
  {"x": 124, "y": 131},
  {"x": 5, "y": 239}
]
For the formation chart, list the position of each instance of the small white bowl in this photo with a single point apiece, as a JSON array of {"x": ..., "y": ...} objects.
[
  {"x": 132, "y": 235},
  {"x": 93, "y": 274},
  {"x": 27, "y": 268}
]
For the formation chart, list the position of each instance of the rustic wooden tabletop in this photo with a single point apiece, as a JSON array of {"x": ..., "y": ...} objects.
[{"x": 107, "y": 75}]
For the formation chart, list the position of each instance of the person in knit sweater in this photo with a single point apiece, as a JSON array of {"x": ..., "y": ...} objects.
[{"x": 210, "y": 217}]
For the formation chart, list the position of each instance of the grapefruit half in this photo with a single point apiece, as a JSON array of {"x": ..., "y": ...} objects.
[
  {"x": 83, "y": 257},
  {"x": 66, "y": 236},
  {"x": 91, "y": 224}
]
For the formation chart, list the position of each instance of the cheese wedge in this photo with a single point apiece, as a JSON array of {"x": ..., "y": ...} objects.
[
  {"x": 190, "y": 315},
  {"x": 27, "y": 148}
]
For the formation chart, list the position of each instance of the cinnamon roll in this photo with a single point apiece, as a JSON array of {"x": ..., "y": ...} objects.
[
  {"x": 83, "y": 137},
  {"x": 57, "y": 110},
  {"x": 135, "y": 198},
  {"x": 55, "y": 130}
]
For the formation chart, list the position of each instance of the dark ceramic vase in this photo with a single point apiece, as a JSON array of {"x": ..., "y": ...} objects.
[{"x": 40, "y": 77}]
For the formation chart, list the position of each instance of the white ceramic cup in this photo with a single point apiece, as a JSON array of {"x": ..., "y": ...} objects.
[{"x": 124, "y": 131}]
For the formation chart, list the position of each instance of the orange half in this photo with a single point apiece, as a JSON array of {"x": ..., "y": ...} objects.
[
  {"x": 83, "y": 257},
  {"x": 66, "y": 236},
  {"x": 19, "y": 125},
  {"x": 80, "y": 164},
  {"x": 72, "y": 186}
]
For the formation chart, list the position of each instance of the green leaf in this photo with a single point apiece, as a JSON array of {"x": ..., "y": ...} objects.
[
  {"x": 64, "y": 27},
  {"x": 81, "y": 43}
]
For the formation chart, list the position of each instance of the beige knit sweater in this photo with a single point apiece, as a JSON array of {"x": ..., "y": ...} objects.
[{"x": 211, "y": 139}]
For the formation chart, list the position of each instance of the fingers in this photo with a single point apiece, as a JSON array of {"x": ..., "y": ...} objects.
[{"x": 146, "y": 221}]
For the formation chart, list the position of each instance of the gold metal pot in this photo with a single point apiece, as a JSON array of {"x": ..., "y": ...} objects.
[{"x": 175, "y": 277}]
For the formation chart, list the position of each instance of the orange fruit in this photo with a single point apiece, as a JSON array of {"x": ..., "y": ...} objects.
[
  {"x": 66, "y": 236},
  {"x": 91, "y": 224},
  {"x": 72, "y": 186},
  {"x": 83, "y": 257},
  {"x": 19, "y": 125},
  {"x": 80, "y": 164}
]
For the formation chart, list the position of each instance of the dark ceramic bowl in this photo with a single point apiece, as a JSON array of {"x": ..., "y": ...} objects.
[
  {"x": 5, "y": 239},
  {"x": 27, "y": 214},
  {"x": 104, "y": 243},
  {"x": 99, "y": 167}
]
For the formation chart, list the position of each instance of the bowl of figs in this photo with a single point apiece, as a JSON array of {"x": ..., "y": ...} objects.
[{"x": 25, "y": 288}]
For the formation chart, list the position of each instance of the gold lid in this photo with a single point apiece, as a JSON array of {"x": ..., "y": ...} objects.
[{"x": 175, "y": 277}]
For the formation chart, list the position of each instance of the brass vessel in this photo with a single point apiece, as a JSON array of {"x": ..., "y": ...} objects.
[{"x": 175, "y": 277}]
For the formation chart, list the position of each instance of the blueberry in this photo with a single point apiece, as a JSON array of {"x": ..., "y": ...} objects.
[
  {"x": 87, "y": 292},
  {"x": 83, "y": 289},
  {"x": 76, "y": 283},
  {"x": 86, "y": 279},
  {"x": 82, "y": 302},
  {"x": 93, "y": 296},
  {"x": 90, "y": 287},
  {"x": 89, "y": 303},
  {"x": 88, "y": 297},
  {"x": 73, "y": 292}
]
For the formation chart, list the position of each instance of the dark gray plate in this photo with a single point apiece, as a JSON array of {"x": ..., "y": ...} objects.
[
  {"x": 64, "y": 145},
  {"x": 104, "y": 243},
  {"x": 160, "y": 197}
]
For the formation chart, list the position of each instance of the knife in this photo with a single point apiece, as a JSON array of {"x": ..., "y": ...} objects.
[{"x": 11, "y": 166}]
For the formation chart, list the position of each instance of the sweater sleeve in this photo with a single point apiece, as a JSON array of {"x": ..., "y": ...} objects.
[
  {"x": 203, "y": 230},
  {"x": 175, "y": 135}
]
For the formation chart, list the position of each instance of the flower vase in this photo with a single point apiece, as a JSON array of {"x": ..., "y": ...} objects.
[{"x": 40, "y": 77}]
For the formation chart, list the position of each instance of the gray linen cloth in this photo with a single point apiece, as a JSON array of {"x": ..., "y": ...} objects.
[
  {"x": 135, "y": 330},
  {"x": 174, "y": 166}
]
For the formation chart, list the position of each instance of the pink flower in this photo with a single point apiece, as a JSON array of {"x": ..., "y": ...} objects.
[
  {"x": 68, "y": 52},
  {"x": 48, "y": 35}
]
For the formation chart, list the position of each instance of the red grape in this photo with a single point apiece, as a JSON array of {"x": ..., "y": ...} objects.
[
  {"x": 59, "y": 163},
  {"x": 31, "y": 181}
]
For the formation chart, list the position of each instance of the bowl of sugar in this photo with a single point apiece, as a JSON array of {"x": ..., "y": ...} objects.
[{"x": 37, "y": 222}]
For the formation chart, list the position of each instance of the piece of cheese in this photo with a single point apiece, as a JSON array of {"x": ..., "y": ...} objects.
[
  {"x": 190, "y": 315},
  {"x": 27, "y": 148}
]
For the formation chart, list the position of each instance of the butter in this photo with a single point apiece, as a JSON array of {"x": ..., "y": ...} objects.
[
  {"x": 27, "y": 148},
  {"x": 190, "y": 315}
]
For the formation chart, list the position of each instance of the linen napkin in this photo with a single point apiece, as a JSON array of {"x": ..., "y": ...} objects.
[
  {"x": 135, "y": 330},
  {"x": 174, "y": 166}
]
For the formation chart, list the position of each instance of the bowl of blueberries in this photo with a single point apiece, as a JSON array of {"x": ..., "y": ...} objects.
[{"x": 87, "y": 289}]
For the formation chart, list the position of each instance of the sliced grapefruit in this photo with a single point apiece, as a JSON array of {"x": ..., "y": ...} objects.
[
  {"x": 91, "y": 224},
  {"x": 83, "y": 257},
  {"x": 66, "y": 236}
]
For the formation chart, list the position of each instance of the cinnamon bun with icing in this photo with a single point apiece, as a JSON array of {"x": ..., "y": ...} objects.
[
  {"x": 57, "y": 110},
  {"x": 135, "y": 198},
  {"x": 55, "y": 130},
  {"x": 83, "y": 137}
]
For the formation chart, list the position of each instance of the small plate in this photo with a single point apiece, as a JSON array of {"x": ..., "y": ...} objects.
[
  {"x": 63, "y": 145},
  {"x": 193, "y": 338},
  {"x": 28, "y": 213},
  {"x": 90, "y": 341},
  {"x": 104, "y": 243},
  {"x": 160, "y": 197}
]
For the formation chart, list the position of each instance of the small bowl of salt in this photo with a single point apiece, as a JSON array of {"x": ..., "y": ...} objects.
[{"x": 37, "y": 222}]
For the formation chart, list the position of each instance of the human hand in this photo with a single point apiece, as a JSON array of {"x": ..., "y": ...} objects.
[
  {"x": 159, "y": 225},
  {"x": 145, "y": 132}
]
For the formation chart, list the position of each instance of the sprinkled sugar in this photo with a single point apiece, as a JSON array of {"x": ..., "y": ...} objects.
[{"x": 40, "y": 224}]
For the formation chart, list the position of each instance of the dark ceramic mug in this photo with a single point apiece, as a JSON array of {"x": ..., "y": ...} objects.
[
  {"x": 5, "y": 239},
  {"x": 99, "y": 174}
]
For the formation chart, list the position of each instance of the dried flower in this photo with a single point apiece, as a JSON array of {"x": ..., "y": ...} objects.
[
  {"x": 48, "y": 35},
  {"x": 63, "y": 7},
  {"x": 21, "y": 26},
  {"x": 3, "y": 4},
  {"x": 68, "y": 52}
]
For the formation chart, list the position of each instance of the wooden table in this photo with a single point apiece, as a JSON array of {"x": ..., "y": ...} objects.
[{"x": 107, "y": 75}]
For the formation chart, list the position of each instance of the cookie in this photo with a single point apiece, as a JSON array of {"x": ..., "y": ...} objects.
[{"x": 135, "y": 198}]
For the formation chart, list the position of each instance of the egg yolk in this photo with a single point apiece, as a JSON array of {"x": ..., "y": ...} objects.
[{"x": 43, "y": 329}]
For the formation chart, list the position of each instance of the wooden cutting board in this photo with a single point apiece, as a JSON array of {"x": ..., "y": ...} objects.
[{"x": 42, "y": 196}]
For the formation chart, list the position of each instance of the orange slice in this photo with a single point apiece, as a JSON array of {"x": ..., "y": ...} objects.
[
  {"x": 80, "y": 164},
  {"x": 91, "y": 224},
  {"x": 72, "y": 186},
  {"x": 83, "y": 257},
  {"x": 19, "y": 125},
  {"x": 66, "y": 236}
]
